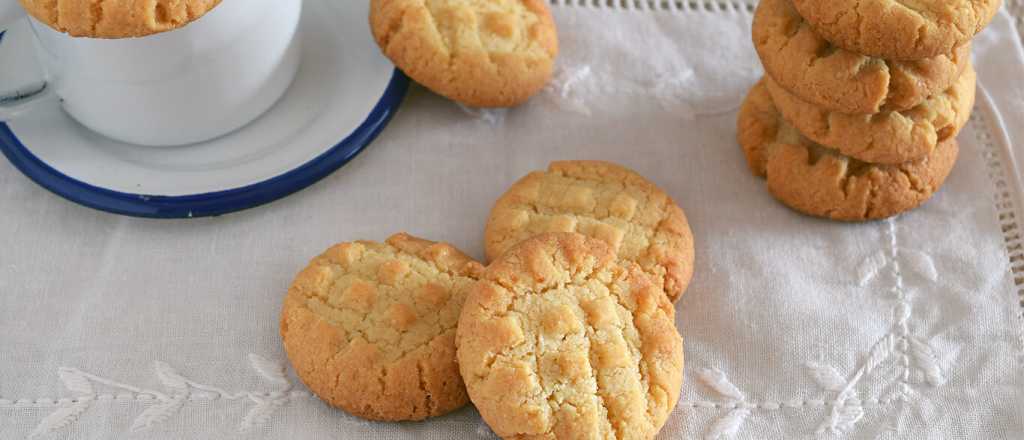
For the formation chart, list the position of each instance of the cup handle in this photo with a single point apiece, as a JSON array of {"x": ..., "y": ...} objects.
[{"x": 19, "y": 99}]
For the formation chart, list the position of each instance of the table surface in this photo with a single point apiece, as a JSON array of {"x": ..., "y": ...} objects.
[{"x": 114, "y": 327}]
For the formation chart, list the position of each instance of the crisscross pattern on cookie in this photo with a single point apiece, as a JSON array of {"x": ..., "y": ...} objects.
[
  {"x": 559, "y": 339},
  {"x": 370, "y": 327},
  {"x": 601, "y": 200},
  {"x": 117, "y": 18}
]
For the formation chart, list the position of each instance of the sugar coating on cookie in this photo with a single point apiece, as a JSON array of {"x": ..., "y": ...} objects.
[
  {"x": 898, "y": 29},
  {"x": 605, "y": 201},
  {"x": 483, "y": 53},
  {"x": 559, "y": 340},
  {"x": 885, "y": 138},
  {"x": 820, "y": 182},
  {"x": 117, "y": 18},
  {"x": 370, "y": 327},
  {"x": 836, "y": 79}
]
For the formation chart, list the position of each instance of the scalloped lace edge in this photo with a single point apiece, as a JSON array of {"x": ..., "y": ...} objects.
[{"x": 743, "y": 6}]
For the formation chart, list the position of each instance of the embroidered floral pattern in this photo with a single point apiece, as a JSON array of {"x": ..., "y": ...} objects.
[
  {"x": 565, "y": 91},
  {"x": 179, "y": 392},
  {"x": 672, "y": 87},
  {"x": 729, "y": 424},
  {"x": 846, "y": 401},
  {"x": 489, "y": 116}
]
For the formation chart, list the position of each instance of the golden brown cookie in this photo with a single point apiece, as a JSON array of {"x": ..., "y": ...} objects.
[
  {"x": 117, "y": 18},
  {"x": 560, "y": 340},
  {"x": 898, "y": 29},
  {"x": 819, "y": 182},
  {"x": 370, "y": 327},
  {"x": 885, "y": 138},
  {"x": 605, "y": 201},
  {"x": 494, "y": 53},
  {"x": 836, "y": 79}
]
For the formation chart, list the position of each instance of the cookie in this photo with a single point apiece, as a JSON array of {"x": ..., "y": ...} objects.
[
  {"x": 839, "y": 80},
  {"x": 884, "y": 138},
  {"x": 561, "y": 340},
  {"x": 117, "y": 18},
  {"x": 370, "y": 327},
  {"x": 897, "y": 29},
  {"x": 601, "y": 200},
  {"x": 480, "y": 53},
  {"x": 820, "y": 182}
]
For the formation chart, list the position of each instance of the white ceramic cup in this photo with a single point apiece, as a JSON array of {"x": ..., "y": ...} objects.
[{"x": 184, "y": 86}]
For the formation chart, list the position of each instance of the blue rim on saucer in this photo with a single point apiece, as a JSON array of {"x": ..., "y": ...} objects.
[{"x": 212, "y": 203}]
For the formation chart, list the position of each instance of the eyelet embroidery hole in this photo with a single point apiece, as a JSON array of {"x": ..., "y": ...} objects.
[
  {"x": 743, "y": 6},
  {"x": 1005, "y": 204},
  {"x": 1016, "y": 9}
]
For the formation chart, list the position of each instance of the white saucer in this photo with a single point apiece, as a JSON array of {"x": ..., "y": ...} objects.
[{"x": 343, "y": 96}]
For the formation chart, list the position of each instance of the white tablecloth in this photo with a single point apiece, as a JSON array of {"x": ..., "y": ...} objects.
[{"x": 114, "y": 327}]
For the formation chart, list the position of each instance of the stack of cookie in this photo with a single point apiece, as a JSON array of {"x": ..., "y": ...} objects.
[
  {"x": 858, "y": 114},
  {"x": 568, "y": 333}
]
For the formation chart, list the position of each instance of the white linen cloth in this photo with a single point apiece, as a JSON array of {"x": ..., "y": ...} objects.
[{"x": 113, "y": 327}]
